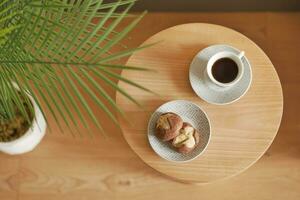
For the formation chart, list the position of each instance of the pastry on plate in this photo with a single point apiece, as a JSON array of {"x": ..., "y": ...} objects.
[
  {"x": 168, "y": 126},
  {"x": 187, "y": 139}
]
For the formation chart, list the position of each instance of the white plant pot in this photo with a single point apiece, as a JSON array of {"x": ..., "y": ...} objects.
[{"x": 31, "y": 138}]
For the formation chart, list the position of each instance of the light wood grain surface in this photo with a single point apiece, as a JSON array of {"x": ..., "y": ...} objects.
[
  {"x": 68, "y": 169},
  {"x": 240, "y": 132}
]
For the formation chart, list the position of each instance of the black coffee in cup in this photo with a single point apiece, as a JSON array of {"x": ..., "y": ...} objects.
[{"x": 225, "y": 70}]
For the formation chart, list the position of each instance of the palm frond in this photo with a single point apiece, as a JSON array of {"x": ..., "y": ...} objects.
[{"x": 54, "y": 49}]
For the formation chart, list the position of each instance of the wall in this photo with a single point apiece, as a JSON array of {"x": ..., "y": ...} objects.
[{"x": 218, "y": 5}]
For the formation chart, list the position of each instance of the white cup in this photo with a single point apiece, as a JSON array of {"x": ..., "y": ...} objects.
[{"x": 237, "y": 58}]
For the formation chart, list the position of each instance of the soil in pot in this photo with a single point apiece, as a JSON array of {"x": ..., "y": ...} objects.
[{"x": 16, "y": 127}]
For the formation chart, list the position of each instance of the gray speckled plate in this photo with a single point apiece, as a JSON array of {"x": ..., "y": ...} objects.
[
  {"x": 211, "y": 92},
  {"x": 190, "y": 113}
]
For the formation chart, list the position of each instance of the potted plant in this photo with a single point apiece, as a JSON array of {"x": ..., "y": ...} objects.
[{"x": 51, "y": 53}]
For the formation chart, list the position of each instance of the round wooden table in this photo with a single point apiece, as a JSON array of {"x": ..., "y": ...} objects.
[{"x": 241, "y": 131}]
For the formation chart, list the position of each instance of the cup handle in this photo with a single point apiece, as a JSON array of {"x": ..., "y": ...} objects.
[{"x": 241, "y": 54}]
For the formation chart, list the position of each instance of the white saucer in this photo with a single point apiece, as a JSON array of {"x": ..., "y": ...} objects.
[
  {"x": 211, "y": 92},
  {"x": 189, "y": 112}
]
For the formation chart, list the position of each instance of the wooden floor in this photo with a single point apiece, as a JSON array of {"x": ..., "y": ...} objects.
[{"x": 82, "y": 169}]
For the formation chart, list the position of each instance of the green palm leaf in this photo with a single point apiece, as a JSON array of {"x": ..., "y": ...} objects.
[{"x": 52, "y": 49}]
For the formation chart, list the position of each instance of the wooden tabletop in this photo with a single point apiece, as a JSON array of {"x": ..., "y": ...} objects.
[
  {"x": 63, "y": 168},
  {"x": 241, "y": 132}
]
